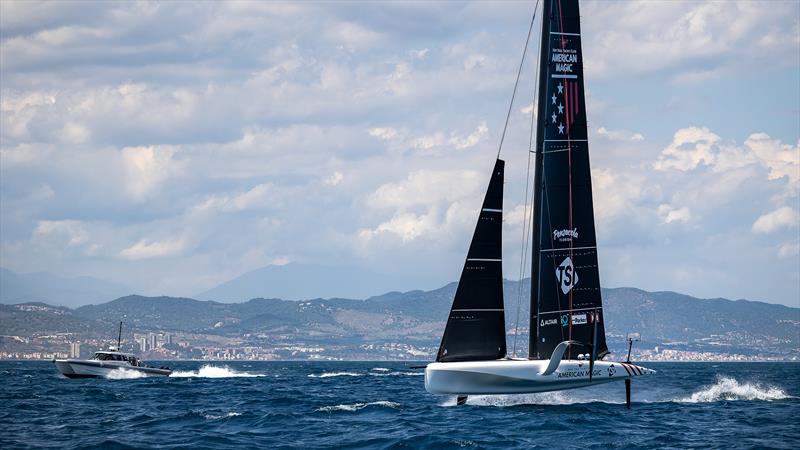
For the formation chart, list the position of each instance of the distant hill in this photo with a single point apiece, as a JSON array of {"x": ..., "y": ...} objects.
[
  {"x": 56, "y": 290},
  {"x": 300, "y": 282},
  {"x": 417, "y": 317}
]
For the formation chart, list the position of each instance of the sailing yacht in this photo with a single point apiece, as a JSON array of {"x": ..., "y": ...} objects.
[{"x": 567, "y": 341}]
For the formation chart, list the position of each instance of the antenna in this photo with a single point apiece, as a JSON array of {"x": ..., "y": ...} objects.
[
  {"x": 631, "y": 338},
  {"x": 119, "y": 337}
]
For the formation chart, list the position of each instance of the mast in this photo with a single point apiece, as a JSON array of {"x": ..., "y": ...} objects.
[
  {"x": 119, "y": 337},
  {"x": 533, "y": 328}
]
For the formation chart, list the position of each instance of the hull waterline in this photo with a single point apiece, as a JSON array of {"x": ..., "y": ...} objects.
[
  {"x": 76, "y": 368},
  {"x": 522, "y": 376}
]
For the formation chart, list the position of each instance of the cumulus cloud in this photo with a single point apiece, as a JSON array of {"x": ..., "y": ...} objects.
[
  {"x": 408, "y": 226},
  {"x": 147, "y": 168},
  {"x": 772, "y": 221},
  {"x": 139, "y": 135},
  {"x": 693, "y": 41},
  {"x": 426, "y": 187},
  {"x": 689, "y": 148}
]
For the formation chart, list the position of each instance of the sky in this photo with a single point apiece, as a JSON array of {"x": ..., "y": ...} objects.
[{"x": 174, "y": 146}]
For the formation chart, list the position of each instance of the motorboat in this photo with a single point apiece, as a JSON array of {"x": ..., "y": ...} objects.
[{"x": 104, "y": 364}]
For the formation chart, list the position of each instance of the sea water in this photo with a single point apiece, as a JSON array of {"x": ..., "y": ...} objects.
[{"x": 384, "y": 405}]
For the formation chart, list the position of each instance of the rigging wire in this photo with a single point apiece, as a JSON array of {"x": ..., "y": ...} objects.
[
  {"x": 516, "y": 83},
  {"x": 525, "y": 228}
]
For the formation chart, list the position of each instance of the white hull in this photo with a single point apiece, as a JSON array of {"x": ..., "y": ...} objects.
[
  {"x": 511, "y": 376},
  {"x": 78, "y": 368}
]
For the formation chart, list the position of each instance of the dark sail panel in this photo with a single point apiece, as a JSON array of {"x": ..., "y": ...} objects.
[
  {"x": 476, "y": 326},
  {"x": 565, "y": 299}
]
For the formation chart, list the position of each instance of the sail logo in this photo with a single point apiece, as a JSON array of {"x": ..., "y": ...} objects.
[
  {"x": 564, "y": 59},
  {"x": 547, "y": 322},
  {"x": 565, "y": 235},
  {"x": 579, "y": 319},
  {"x": 566, "y": 275}
]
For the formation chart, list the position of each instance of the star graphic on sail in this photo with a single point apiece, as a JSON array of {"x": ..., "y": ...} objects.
[
  {"x": 554, "y": 99},
  {"x": 560, "y": 108},
  {"x": 554, "y": 117},
  {"x": 560, "y": 128},
  {"x": 560, "y": 88}
]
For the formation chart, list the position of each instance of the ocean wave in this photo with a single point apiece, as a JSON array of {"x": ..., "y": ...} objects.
[
  {"x": 125, "y": 374},
  {"x": 334, "y": 374},
  {"x": 221, "y": 416},
  {"x": 542, "y": 398},
  {"x": 380, "y": 369},
  {"x": 358, "y": 406},
  {"x": 396, "y": 374},
  {"x": 729, "y": 389},
  {"x": 213, "y": 372}
]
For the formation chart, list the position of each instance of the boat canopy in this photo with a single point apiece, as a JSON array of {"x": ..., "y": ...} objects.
[{"x": 115, "y": 356}]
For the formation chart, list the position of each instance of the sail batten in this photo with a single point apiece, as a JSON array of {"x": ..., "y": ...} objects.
[
  {"x": 475, "y": 328},
  {"x": 566, "y": 303}
]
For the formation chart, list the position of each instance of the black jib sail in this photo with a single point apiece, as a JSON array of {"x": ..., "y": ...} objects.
[
  {"x": 565, "y": 294},
  {"x": 475, "y": 329}
]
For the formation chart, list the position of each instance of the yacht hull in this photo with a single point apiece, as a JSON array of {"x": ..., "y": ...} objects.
[
  {"x": 76, "y": 368},
  {"x": 509, "y": 376}
]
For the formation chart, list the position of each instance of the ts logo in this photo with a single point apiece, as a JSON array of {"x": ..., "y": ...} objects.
[{"x": 566, "y": 275}]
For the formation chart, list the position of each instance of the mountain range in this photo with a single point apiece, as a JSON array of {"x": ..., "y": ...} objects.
[
  {"x": 290, "y": 282},
  {"x": 57, "y": 290},
  {"x": 417, "y": 318}
]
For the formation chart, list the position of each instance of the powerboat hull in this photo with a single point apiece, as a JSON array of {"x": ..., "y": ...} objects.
[
  {"x": 78, "y": 368},
  {"x": 517, "y": 376}
]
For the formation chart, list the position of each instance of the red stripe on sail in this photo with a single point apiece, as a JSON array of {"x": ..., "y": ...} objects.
[{"x": 575, "y": 101}]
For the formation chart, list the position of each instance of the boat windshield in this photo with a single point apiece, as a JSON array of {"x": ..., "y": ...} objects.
[{"x": 99, "y": 356}]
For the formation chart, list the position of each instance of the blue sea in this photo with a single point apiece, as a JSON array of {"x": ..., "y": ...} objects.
[{"x": 384, "y": 405}]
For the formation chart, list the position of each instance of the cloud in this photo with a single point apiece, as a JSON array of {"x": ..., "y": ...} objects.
[
  {"x": 147, "y": 168},
  {"x": 261, "y": 196},
  {"x": 472, "y": 139},
  {"x": 426, "y": 187},
  {"x": 693, "y": 147},
  {"x": 72, "y": 230},
  {"x": 770, "y": 222},
  {"x": 783, "y": 160},
  {"x": 692, "y": 41},
  {"x": 408, "y": 226},
  {"x": 689, "y": 148},
  {"x": 789, "y": 249},
  {"x": 334, "y": 179},
  {"x": 212, "y": 135},
  {"x": 619, "y": 135},
  {"x": 147, "y": 249},
  {"x": 670, "y": 214},
  {"x": 383, "y": 133}
]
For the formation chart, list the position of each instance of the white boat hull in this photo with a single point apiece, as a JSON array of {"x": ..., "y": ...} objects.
[
  {"x": 78, "y": 368},
  {"x": 509, "y": 376}
]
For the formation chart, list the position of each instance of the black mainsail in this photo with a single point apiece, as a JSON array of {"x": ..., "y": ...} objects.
[
  {"x": 475, "y": 329},
  {"x": 565, "y": 293}
]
